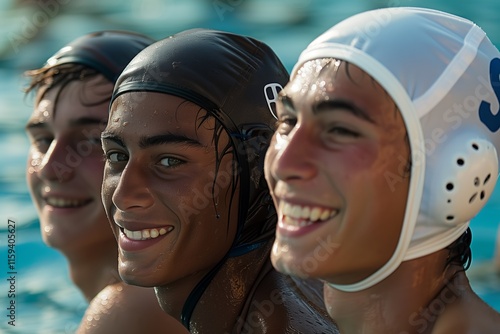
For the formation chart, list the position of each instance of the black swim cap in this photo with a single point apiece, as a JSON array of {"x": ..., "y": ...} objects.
[
  {"x": 236, "y": 80},
  {"x": 108, "y": 52}
]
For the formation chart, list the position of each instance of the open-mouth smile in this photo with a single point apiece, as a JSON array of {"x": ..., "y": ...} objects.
[
  {"x": 294, "y": 215},
  {"x": 148, "y": 233}
]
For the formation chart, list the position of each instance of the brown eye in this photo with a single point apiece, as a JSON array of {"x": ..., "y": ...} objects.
[
  {"x": 170, "y": 162},
  {"x": 42, "y": 144},
  {"x": 343, "y": 132}
]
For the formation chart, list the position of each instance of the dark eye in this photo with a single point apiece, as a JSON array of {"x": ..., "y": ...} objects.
[
  {"x": 170, "y": 162},
  {"x": 115, "y": 157},
  {"x": 42, "y": 143},
  {"x": 342, "y": 131}
]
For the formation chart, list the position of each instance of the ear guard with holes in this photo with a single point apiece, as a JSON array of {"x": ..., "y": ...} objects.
[{"x": 462, "y": 175}]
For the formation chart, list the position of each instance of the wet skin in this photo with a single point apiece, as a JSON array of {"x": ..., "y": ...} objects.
[
  {"x": 65, "y": 164},
  {"x": 339, "y": 139},
  {"x": 159, "y": 176}
]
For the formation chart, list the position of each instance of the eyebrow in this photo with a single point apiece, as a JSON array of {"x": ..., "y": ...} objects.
[
  {"x": 168, "y": 138},
  {"x": 82, "y": 121},
  {"x": 146, "y": 142},
  {"x": 112, "y": 137},
  {"x": 329, "y": 105},
  {"x": 35, "y": 125}
]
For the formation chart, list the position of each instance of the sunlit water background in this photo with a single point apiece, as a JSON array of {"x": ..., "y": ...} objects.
[{"x": 46, "y": 301}]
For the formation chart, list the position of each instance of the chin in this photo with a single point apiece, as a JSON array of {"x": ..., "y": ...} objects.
[
  {"x": 290, "y": 267},
  {"x": 133, "y": 276}
]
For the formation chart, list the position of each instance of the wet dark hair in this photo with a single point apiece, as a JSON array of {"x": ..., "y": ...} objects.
[
  {"x": 460, "y": 252},
  {"x": 44, "y": 79}
]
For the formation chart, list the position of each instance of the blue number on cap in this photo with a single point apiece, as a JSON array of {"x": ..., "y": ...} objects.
[{"x": 492, "y": 121}]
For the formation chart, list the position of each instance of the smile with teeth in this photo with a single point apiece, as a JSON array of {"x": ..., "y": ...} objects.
[
  {"x": 149, "y": 233},
  {"x": 300, "y": 216},
  {"x": 65, "y": 203}
]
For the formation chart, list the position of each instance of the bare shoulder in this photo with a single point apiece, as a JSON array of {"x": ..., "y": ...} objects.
[
  {"x": 281, "y": 305},
  {"x": 122, "y": 308},
  {"x": 468, "y": 315}
]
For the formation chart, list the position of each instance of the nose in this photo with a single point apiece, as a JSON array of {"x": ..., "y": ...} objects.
[
  {"x": 57, "y": 164},
  {"x": 291, "y": 156},
  {"x": 132, "y": 190}
]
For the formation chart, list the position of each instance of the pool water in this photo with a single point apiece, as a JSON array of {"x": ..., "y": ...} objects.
[{"x": 46, "y": 301}]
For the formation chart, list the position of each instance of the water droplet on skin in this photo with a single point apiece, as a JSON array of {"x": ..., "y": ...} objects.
[{"x": 48, "y": 229}]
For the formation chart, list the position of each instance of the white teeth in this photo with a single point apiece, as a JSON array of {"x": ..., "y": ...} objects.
[
  {"x": 305, "y": 212},
  {"x": 137, "y": 235},
  {"x": 315, "y": 213},
  {"x": 147, "y": 233},
  {"x": 302, "y": 216},
  {"x": 64, "y": 203}
]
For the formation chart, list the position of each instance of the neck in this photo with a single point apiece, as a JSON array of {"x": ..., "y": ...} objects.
[
  {"x": 94, "y": 268},
  {"x": 406, "y": 301},
  {"x": 223, "y": 300}
]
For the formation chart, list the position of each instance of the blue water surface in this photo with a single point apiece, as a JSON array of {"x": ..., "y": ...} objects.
[{"x": 46, "y": 301}]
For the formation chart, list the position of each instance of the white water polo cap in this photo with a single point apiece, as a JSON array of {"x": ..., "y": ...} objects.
[{"x": 443, "y": 74}]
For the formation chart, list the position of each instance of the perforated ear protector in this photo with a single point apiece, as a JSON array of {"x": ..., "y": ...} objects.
[{"x": 462, "y": 174}]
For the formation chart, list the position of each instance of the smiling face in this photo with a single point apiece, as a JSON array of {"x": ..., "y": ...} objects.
[
  {"x": 168, "y": 202},
  {"x": 331, "y": 166},
  {"x": 65, "y": 164}
]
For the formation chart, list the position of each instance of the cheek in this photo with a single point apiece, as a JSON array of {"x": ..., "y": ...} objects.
[
  {"x": 109, "y": 184},
  {"x": 355, "y": 165},
  {"x": 94, "y": 168},
  {"x": 34, "y": 161},
  {"x": 268, "y": 162}
]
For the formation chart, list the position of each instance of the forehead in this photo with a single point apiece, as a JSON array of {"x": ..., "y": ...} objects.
[
  {"x": 87, "y": 98},
  {"x": 322, "y": 80},
  {"x": 149, "y": 113}
]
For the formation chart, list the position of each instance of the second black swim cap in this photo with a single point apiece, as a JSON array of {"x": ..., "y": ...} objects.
[{"x": 108, "y": 52}]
